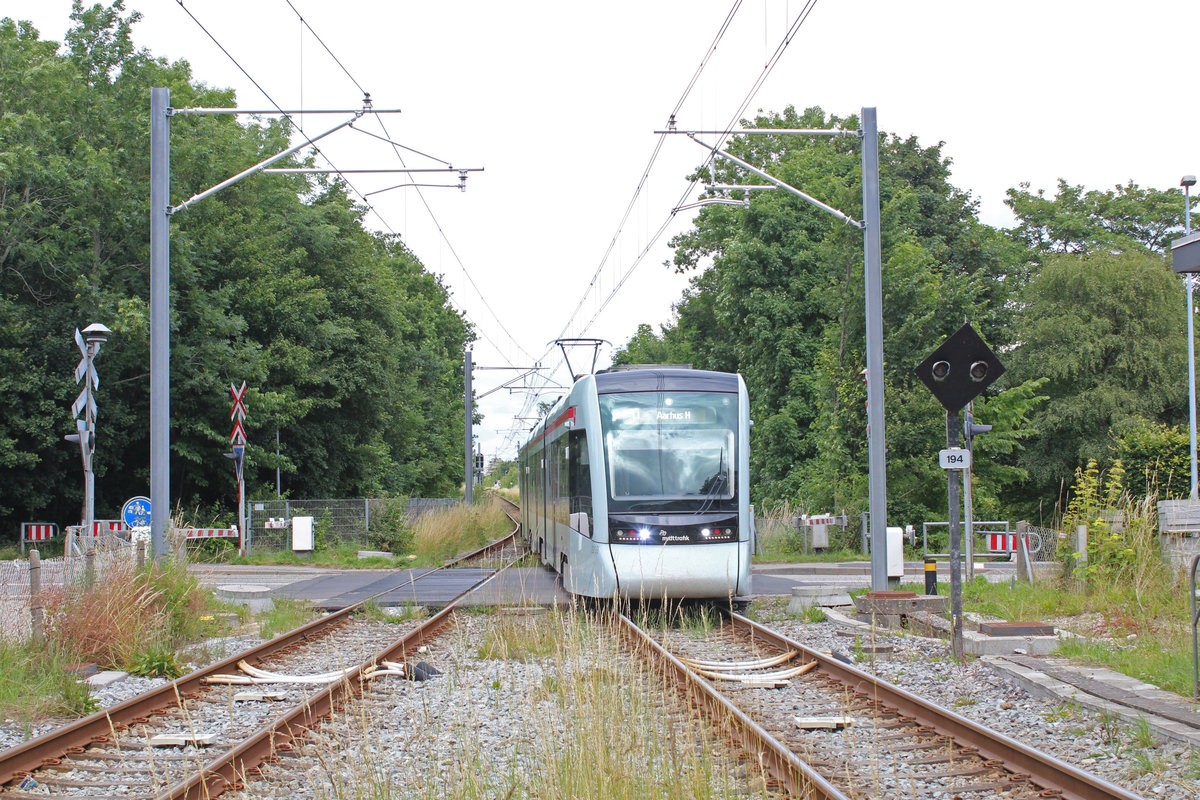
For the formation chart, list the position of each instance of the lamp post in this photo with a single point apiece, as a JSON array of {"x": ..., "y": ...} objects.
[{"x": 1187, "y": 182}]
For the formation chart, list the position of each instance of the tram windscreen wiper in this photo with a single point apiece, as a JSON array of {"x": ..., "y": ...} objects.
[{"x": 715, "y": 484}]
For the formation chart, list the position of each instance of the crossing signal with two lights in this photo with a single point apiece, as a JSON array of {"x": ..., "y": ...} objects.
[{"x": 959, "y": 370}]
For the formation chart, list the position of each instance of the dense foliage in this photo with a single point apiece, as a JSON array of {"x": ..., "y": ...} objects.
[
  {"x": 1077, "y": 299},
  {"x": 350, "y": 348}
]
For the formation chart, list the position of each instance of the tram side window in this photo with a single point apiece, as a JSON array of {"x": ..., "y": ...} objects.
[
  {"x": 581, "y": 474},
  {"x": 562, "y": 495}
]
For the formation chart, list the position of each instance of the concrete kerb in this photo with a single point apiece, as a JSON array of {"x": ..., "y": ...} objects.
[{"x": 1039, "y": 684}]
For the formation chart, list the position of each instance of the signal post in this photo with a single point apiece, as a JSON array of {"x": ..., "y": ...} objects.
[{"x": 957, "y": 372}]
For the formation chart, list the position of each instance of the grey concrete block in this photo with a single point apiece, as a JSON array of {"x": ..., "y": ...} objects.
[
  {"x": 106, "y": 678},
  {"x": 977, "y": 644},
  {"x": 903, "y": 605}
]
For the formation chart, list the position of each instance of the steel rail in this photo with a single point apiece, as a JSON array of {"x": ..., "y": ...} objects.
[
  {"x": 33, "y": 754},
  {"x": 796, "y": 777},
  {"x": 1044, "y": 770},
  {"x": 44, "y": 749},
  {"x": 229, "y": 769}
]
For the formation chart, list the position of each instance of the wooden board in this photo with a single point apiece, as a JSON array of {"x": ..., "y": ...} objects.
[{"x": 823, "y": 723}]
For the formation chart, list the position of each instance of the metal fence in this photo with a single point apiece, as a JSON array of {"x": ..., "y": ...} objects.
[
  {"x": 1043, "y": 542},
  {"x": 342, "y": 521},
  {"x": 92, "y": 559}
]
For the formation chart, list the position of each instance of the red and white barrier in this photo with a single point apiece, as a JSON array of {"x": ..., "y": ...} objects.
[
  {"x": 208, "y": 533},
  {"x": 38, "y": 531},
  {"x": 213, "y": 533},
  {"x": 1002, "y": 542},
  {"x": 100, "y": 526}
]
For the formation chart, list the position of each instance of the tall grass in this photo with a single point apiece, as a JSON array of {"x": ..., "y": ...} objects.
[
  {"x": 131, "y": 619},
  {"x": 127, "y": 614},
  {"x": 780, "y": 540},
  {"x": 597, "y": 725},
  {"x": 1129, "y": 605},
  {"x": 34, "y": 683},
  {"x": 443, "y": 534}
]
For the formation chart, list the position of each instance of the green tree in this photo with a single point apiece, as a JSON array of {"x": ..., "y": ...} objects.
[
  {"x": 1105, "y": 330},
  {"x": 350, "y": 348},
  {"x": 646, "y": 347},
  {"x": 778, "y": 296},
  {"x": 1076, "y": 220},
  {"x": 1155, "y": 456}
]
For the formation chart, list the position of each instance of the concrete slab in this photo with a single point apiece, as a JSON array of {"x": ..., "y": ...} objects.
[
  {"x": 978, "y": 644},
  {"x": 106, "y": 678},
  {"x": 1015, "y": 629},
  {"x": 1028, "y": 675},
  {"x": 878, "y": 603},
  {"x": 254, "y": 596},
  {"x": 805, "y": 597}
]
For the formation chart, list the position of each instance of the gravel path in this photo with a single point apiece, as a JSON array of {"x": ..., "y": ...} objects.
[{"x": 505, "y": 720}]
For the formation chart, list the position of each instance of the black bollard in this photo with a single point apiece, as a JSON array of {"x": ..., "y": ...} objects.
[{"x": 930, "y": 576}]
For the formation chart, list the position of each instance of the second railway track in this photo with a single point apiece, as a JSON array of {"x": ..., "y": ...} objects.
[
  {"x": 883, "y": 741},
  {"x": 222, "y": 734}
]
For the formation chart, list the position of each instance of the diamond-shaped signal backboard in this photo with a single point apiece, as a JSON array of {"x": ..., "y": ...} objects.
[{"x": 961, "y": 350}]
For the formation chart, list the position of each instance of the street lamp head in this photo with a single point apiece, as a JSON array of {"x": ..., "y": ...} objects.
[
  {"x": 96, "y": 333},
  {"x": 1188, "y": 180}
]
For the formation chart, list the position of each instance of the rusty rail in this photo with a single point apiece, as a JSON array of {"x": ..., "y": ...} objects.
[
  {"x": 44, "y": 749},
  {"x": 1047, "y": 772},
  {"x": 797, "y": 778}
]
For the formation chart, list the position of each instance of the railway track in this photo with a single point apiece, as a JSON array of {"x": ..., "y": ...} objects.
[
  {"x": 826, "y": 729},
  {"x": 217, "y": 730},
  {"x": 751, "y": 684}
]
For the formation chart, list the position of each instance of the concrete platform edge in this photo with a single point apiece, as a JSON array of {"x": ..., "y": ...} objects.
[{"x": 1039, "y": 684}]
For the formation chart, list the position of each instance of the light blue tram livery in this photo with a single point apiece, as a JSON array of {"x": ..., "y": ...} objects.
[{"x": 636, "y": 485}]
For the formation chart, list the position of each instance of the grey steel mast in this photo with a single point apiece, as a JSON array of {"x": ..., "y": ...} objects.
[
  {"x": 160, "y": 319},
  {"x": 876, "y": 441}
]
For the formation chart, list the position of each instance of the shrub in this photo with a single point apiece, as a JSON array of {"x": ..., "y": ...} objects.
[{"x": 390, "y": 530}]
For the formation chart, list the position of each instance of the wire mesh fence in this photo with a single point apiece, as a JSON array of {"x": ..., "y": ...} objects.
[
  {"x": 87, "y": 559},
  {"x": 344, "y": 521}
]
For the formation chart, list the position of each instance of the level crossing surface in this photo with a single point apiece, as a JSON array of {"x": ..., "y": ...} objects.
[{"x": 331, "y": 589}]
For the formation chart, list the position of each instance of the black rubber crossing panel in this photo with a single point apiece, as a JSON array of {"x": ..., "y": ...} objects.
[
  {"x": 425, "y": 586},
  {"x": 365, "y": 582},
  {"x": 435, "y": 590}
]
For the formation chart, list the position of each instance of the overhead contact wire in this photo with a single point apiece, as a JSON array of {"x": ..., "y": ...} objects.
[
  {"x": 441, "y": 231},
  {"x": 768, "y": 68}
]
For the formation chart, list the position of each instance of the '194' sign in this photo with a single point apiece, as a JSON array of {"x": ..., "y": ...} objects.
[{"x": 954, "y": 458}]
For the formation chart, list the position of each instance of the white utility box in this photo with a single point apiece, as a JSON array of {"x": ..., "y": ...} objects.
[
  {"x": 895, "y": 552},
  {"x": 302, "y": 534}
]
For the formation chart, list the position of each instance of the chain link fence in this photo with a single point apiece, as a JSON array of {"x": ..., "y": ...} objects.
[
  {"x": 337, "y": 521},
  {"x": 87, "y": 559}
]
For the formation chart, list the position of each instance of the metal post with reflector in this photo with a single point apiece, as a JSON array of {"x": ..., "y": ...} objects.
[{"x": 89, "y": 343}]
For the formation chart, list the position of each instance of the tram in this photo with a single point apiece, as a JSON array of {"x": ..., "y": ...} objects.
[{"x": 636, "y": 485}]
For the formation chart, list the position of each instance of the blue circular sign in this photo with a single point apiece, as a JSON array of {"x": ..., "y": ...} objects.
[{"x": 136, "y": 512}]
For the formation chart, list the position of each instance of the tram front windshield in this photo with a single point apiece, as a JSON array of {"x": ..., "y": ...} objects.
[{"x": 670, "y": 451}]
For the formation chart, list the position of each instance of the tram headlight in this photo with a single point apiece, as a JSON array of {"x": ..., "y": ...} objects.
[
  {"x": 644, "y": 534},
  {"x": 705, "y": 532}
]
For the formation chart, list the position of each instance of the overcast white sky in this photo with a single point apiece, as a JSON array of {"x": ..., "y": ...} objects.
[{"x": 558, "y": 101}]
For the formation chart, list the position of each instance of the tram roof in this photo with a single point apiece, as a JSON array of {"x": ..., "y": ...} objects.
[{"x": 665, "y": 380}]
